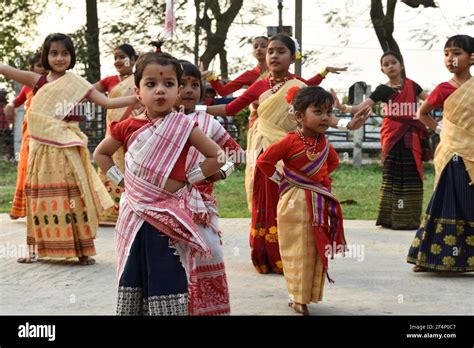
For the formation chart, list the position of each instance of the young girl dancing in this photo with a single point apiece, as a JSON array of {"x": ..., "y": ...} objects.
[
  {"x": 271, "y": 125},
  {"x": 310, "y": 226},
  {"x": 445, "y": 239},
  {"x": 157, "y": 241},
  {"x": 404, "y": 146},
  {"x": 118, "y": 86},
  {"x": 64, "y": 194}
]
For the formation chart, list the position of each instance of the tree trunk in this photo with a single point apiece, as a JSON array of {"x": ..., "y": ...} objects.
[
  {"x": 92, "y": 38},
  {"x": 216, "y": 40},
  {"x": 383, "y": 26},
  {"x": 196, "y": 33}
]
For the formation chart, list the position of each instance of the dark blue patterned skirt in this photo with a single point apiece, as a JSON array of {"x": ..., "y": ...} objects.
[
  {"x": 445, "y": 238},
  {"x": 153, "y": 281}
]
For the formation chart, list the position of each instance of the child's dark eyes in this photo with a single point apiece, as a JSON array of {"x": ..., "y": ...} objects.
[
  {"x": 169, "y": 84},
  {"x": 150, "y": 84},
  {"x": 195, "y": 85}
]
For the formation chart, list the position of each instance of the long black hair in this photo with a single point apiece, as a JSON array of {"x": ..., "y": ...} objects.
[{"x": 57, "y": 37}]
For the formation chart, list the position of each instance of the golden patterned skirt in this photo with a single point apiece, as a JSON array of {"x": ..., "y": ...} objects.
[
  {"x": 57, "y": 219},
  {"x": 302, "y": 266}
]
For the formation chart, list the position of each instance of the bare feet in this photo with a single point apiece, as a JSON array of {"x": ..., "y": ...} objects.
[
  {"x": 419, "y": 269},
  {"x": 30, "y": 259},
  {"x": 299, "y": 308},
  {"x": 86, "y": 260}
]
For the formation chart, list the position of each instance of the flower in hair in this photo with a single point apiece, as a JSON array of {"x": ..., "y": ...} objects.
[
  {"x": 297, "y": 49},
  {"x": 291, "y": 94}
]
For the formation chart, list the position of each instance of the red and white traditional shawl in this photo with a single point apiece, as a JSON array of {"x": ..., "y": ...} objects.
[
  {"x": 208, "y": 288},
  {"x": 152, "y": 154}
]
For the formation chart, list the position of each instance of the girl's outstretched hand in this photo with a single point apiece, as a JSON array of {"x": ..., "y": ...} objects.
[
  {"x": 359, "y": 118},
  {"x": 204, "y": 73},
  {"x": 335, "y": 70},
  {"x": 337, "y": 103}
]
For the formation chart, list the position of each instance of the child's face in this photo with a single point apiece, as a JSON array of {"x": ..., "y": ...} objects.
[
  {"x": 315, "y": 119},
  {"x": 391, "y": 66},
  {"x": 59, "y": 57},
  {"x": 456, "y": 59},
  {"x": 190, "y": 93},
  {"x": 279, "y": 57},
  {"x": 158, "y": 89},
  {"x": 123, "y": 63},
  {"x": 259, "y": 48},
  {"x": 38, "y": 68}
]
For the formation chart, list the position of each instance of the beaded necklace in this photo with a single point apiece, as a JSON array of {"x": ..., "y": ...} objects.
[
  {"x": 275, "y": 84},
  {"x": 310, "y": 148}
]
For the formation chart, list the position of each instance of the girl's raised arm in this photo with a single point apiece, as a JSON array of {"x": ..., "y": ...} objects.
[
  {"x": 28, "y": 78},
  {"x": 115, "y": 103}
]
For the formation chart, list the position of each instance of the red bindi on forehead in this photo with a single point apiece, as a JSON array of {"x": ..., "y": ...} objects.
[{"x": 161, "y": 73}]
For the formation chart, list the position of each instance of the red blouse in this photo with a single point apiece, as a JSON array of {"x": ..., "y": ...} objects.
[
  {"x": 110, "y": 82},
  {"x": 25, "y": 94},
  {"x": 252, "y": 93},
  {"x": 245, "y": 79},
  {"x": 440, "y": 94},
  {"x": 289, "y": 146},
  {"x": 123, "y": 130}
]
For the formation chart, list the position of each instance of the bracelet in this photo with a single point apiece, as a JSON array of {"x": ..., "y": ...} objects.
[
  {"x": 212, "y": 77},
  {"x": 324, "y": 72},
  {"x": 347, "y": 108},
  {"x": 438, "y": 129},
  {"x": 342, "y": 124},
  {"x": 276, "y": 177},
  {"x": 201, "y": 108},
  {"x": 195, "y": 175},
  {"x": 227, "y": 169},
  {"x": 115, "y": 175}
]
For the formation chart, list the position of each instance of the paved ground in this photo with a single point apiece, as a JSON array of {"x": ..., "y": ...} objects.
[{"x": 375, "y": 281}]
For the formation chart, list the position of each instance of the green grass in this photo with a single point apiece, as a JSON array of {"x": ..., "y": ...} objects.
[
  {"x": 356, "y": 188},
  {"x": 8, "y": 174}
]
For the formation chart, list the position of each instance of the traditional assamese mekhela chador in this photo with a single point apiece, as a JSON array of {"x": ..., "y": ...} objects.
[
  {"x": 445, "y": 239},
  {"x": 310, "y": 224},
  {"x": 210, "y": 283},
  {"x": 403, "y": 140},
  {"x": 64, "y": 193},
  {"x": 121, "y": 89},
  {"x": 157, "y": 241},
  {"x": 272, "y": 124}
]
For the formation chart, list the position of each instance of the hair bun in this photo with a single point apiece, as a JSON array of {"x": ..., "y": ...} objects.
[{"x": 157, "y": 45}]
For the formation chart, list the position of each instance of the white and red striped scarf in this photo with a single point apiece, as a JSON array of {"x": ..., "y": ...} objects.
[
  {"x": 208, "y": 288},
  {"x": 152, "y": 154}
]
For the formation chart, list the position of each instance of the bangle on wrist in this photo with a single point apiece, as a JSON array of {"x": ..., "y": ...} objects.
[
  {"x": 276, "y": 177},
  {"x": 200, "y": 108},
  {"x": 195, "y": 175},
  {"x": 227, "y": 169},
  {"x": 324, "y": 72},
  {"x": 115, "y": 175},
  {"x": 347, "y": 108},
  {"x": 438, "y": 129},
  {"x": 342, "y": 124},
  {"x": 212, "y": 77}
]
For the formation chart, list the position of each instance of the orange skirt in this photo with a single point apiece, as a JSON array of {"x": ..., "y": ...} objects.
[{"x": 19, "y": 199}]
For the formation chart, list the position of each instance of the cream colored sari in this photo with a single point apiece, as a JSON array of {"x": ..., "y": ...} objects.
[
  {"x": 64, "y": 194},
  {"x": 124, "y": 88}
]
